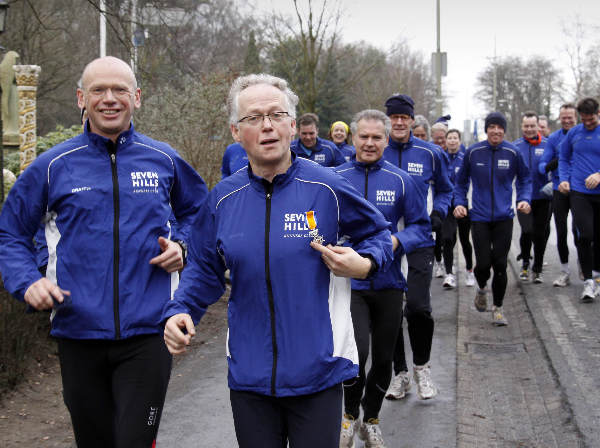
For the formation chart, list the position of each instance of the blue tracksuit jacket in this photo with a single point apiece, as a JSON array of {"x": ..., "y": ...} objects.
[
  {"x": 579, "y": 156},
  {"x": 290, "y": 328},
  {"x": 325, "y": 152},
  {"x": 234, "y": 158},
  {"x": 395, "y": 194},
  {"x": 427, "y": 165},
  {"x": 550, "y": 152},
  {"x": 491, "y": 171},
  {"x": 532, "y": 155},
  {"x": 104, "y": 206}
]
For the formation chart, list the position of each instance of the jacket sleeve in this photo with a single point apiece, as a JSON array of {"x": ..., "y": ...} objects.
[
  {"x": 565, "y": 152},
  {"x": 188, "y": 194},
  {"x": 364, "y": 225},
  {"x": 461, "y": 182},
  {"x": 417, "y": 227},
  {"x": 523, "y": 182},
  {"x": 202, "y": 281},
  {"x": 21, "y": 217},
  {"x": 442, "y": 187},
  {"x": 225, "y": 171},
  {"x": 547, "y": 156},
  {"x": 339, "y": 156}
]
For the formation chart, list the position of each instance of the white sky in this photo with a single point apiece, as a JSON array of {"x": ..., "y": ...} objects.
[{"x": 468, "y": 30}]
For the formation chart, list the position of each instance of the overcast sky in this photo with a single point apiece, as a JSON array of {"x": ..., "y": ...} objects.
[{"x": 468, "y": 30}]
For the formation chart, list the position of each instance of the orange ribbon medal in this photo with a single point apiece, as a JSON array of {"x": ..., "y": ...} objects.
[{"x": 311, "y": 220}]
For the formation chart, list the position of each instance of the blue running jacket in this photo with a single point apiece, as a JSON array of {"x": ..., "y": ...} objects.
[
  {"x": 290, "y": 328},
  {"x": 104, "y": 206}
]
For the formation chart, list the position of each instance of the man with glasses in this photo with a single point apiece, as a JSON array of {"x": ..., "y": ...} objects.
[
  {"x": 275, "y": 225},
  {"x": 428, "y": 168},
  {"x": 105, "y": 197}
]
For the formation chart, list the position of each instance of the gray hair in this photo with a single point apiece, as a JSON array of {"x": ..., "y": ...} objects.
[
  {"x": 420, "y": 120},
  {"x": 243, "y": 82},
  {"x": 371, "y": 114},
  {"x": 440, "y": 126}
]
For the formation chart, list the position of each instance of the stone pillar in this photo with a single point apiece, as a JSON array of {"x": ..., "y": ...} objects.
[{"x": 27, "y": 81}]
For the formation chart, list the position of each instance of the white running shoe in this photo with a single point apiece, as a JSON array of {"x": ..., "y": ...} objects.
[
  {"x": 498, "y": 318},
  {"x": 425, "y": 387},
  {"x": 470, "y": 278},
  {"x": 399, "y": 386},
  {"x": 589, "y": 291},
  {"x": 538, "y": 278},
  {"x": 370, "y": 433},
  {"x": 347, "y": 433},
  {"x": 562, "y": 280},
  {"x": 449, "y": 281},
  {"x": 438, "y": 269}
]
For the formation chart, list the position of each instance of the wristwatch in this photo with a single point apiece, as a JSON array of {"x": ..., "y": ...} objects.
[{"x": 184, "y": 250}]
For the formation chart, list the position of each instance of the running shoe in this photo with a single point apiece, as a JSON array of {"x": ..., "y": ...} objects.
[
  {"x": 538, "y": 277},
  {"x": 438, "y": 269},
  {"x": 589, "y": 291},
  {"x": 524, "y": 275},
  {"x": 399, "y": 386},
  {"x": 425, "y": 387},
  {"x": 498, "y": 318},
  {"x": 562, "y": 280},
  {"x": 481, "y": 300},
  {"x": 347, "y": 433},
  {"x": 449, "y": 281},
  {"x": 470, "y": 278},
  {"x": 370, "y": 433}
]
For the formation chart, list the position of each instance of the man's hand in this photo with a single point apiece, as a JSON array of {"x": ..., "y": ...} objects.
[
  {"x": 460, "y": 211},
  {"x": 523, "y": 207},
  {"x": 564, "y": 187},
  {"x": 175, "y": 339},
  {"x": 171, "y": 259},
  {"x": 395, "y": 243},
  {"x": 592, "y": 181},
  {"x": 343, "y": 261},
  {"x": 42, "y": 294}
]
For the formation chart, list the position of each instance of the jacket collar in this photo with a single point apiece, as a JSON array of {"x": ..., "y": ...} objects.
[
  {"x": 401, "y": 146},
  {"x": 260, "y": 184},
  {"x": 363, "y": 166},
  {"x": 103, "y": 142}
]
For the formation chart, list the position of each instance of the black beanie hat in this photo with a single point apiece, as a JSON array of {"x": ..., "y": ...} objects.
[
  {"x": 444, "y": 119},
  {"x": 400, "y": 104},
  {"x": 495, "y": 118}
]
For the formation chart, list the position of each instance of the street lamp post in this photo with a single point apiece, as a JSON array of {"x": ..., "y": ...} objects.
[{"x": 3, "y": 13}]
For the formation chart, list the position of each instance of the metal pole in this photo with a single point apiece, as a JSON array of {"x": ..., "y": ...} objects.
[
  {"x": 102, "y": 28},
  {"x": 438, "y": 67}
]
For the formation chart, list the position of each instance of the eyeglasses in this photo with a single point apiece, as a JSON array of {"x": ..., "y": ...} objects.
[
  {"x": 117, "y": 92},
  {"x": 256, "y": 120}
]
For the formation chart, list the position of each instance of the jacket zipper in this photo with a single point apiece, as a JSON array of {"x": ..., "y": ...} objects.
[
  {"x": 367, "y": 199},
  {"x": 269, "y": 188},
  {"x": 115, "y": 182},
  {"x": 492, "y": 183}
]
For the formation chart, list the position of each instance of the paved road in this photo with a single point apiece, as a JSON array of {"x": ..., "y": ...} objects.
[{"x": 533, "y": 383}]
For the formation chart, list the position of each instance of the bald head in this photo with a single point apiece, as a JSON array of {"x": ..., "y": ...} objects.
[
  {"x": 107, "y": 62},
  {"x": 109, "y": 94}
]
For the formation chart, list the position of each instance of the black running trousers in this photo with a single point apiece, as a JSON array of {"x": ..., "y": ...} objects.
[
  {"x": 491, "y": 241},
  {"x": 586, "y": 217},
  {"x": 115, "y": 389},
  {"x": 306, "y": 421},
  {"x": 417, "y": 310},
  {"x": 376, "y": 316},
  {"x": 535, "y": 228},
  {"x": 561, "y": 204}
]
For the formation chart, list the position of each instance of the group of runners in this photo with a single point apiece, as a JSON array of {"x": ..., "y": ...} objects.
[{"x": 328, "y": 243}]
